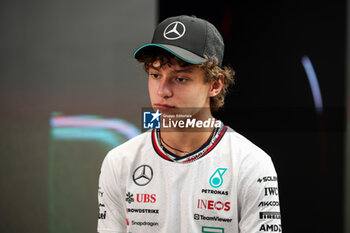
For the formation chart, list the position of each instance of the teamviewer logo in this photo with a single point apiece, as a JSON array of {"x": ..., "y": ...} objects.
[{"x": 151, "y": 120}]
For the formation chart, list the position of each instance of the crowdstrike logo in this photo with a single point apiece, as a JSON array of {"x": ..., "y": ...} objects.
[
  {"x": 174, "y": 31},
  {"x": 142, "y": 211}
]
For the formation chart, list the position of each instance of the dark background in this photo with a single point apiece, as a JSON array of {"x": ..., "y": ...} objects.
[
  {"x": 75, "y": 57},
  {"x": 67, "y": 58},
  {"x": 272, "y": 104}
]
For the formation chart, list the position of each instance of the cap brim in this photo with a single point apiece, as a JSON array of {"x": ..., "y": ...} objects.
[{"x": 181, "y": 53}]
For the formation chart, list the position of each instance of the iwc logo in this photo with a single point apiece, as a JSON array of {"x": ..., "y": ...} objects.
[
  {"x": 174, "y": 31},
  {"x": 142, "y": 175}
]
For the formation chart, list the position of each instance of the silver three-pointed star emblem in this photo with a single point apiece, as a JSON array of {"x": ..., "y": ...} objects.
[
  {"x": 142, "y": 175},
  {"x": 174, "y": 31}
]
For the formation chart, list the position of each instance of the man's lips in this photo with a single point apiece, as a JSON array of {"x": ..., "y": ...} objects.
[{"x": 163, "y": 106}]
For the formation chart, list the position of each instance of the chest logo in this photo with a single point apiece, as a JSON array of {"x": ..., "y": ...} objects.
[
  {"x": 142, "y": 175},
  {"x": 213, "y": 229},
  {"x": 129, "y": 197},
  {"x": 216, "y": 179}
]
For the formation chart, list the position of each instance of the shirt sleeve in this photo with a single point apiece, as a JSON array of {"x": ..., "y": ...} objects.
[
  {"x": 112, "y": 216},
  {"x": 259, "y": 206}
]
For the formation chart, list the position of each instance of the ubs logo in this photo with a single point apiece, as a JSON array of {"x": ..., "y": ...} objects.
[
  {"x": 141, "y": 198},
  {"x": 142, "y": 175},
  {"x": 146, "y": 198}
]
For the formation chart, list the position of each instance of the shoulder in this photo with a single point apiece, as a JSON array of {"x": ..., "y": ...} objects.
[
  {"x": 137, "y": 141},
  {"x": 130, "y": 148}
]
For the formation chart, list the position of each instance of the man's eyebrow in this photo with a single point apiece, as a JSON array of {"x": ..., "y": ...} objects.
[
  {"x": 185, "y": 70},
  {"x": 152, "y": 67}
]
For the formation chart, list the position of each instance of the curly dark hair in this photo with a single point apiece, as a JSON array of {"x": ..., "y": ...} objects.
[{"x": 210, "y": 68}]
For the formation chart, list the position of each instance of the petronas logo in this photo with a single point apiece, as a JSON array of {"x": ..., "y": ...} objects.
[{"x": 216, "y": 179}]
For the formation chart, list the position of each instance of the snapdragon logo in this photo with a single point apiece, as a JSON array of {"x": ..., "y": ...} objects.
[{"x": 144, "y": 223}]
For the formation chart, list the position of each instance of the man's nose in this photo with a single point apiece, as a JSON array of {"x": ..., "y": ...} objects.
[{"x": 164, "y": 88}]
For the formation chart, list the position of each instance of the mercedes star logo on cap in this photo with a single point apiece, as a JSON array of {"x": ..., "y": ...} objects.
[
  {"x": 174, "y": 31},
  {"x": 142, "y": 175}
]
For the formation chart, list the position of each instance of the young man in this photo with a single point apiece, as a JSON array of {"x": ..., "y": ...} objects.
[{"x": 191, "y": 177}]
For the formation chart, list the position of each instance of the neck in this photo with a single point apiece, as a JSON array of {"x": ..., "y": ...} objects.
[
  {"x": 183, "y": 143},
  {"x": 186, "y": 140}
]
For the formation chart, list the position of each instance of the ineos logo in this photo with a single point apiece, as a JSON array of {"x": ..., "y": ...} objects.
[
  {"x": 142, "y": 175},
  {"x": 174, "y": 31},
  {"x": 213, "y": 205}
]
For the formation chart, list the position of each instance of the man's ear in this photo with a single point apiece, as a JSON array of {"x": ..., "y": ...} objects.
[{"x": 216, "y": 85}]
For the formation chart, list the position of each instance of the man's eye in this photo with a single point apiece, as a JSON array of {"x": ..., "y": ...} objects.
[
  {"x": 181, "y": 80},
  {"x": 154, "y": 75}
]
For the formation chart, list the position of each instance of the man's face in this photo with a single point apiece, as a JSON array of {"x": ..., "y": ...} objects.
[{"x": 174, "y": 88}]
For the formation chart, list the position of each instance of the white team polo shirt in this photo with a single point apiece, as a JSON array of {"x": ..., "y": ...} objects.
[{"x": 227, "y": 185}]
